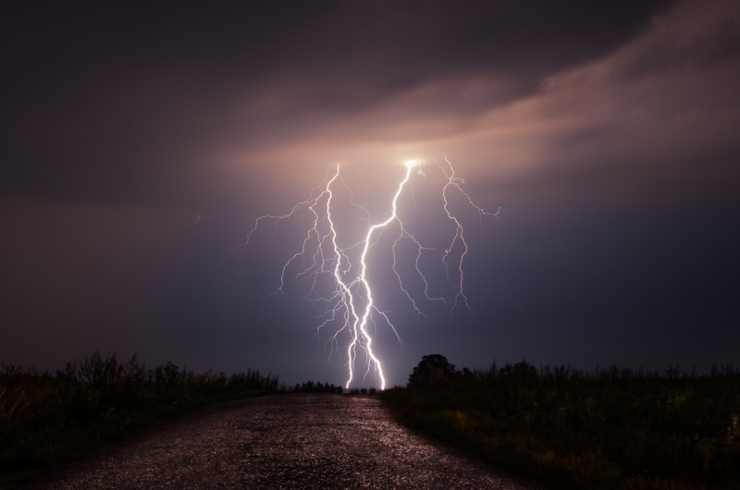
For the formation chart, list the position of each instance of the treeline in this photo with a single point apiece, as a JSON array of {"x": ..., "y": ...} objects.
[
  {"x": 315, "y": 387},
  {"x": 609, "y": 428},
  {"x": 318, "y": 387},
  {"x": 49, "y": 416}
]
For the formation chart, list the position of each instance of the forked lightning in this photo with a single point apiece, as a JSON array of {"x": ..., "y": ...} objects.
[{"x": 351, "y": 300}]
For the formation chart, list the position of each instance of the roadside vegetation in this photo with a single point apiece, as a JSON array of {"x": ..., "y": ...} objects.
[
  {"x": 52, "y": 417},
  {"x": 315, "y": 387},
  {"x": 603, "y": 429}
]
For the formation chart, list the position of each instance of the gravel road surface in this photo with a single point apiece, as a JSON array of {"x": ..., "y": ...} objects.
[{"x": 298, "y": 441}]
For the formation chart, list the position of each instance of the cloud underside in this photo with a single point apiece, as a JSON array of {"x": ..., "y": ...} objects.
[
  {"x": 663, "y": 98},
  {"x": 511, "y": 92}
]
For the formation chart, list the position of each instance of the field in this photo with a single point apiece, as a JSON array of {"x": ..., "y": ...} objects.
[
  {"x": 47, "y": 418},
  {"x": 607, "y": 429}
]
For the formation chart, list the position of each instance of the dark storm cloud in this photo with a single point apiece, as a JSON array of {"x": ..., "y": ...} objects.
[{"x": 129, "y": 104}]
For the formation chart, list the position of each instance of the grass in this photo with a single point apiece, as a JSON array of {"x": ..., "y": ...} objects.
[
  {"x": 47, "y": 418},
  {"x": 606, "y": 429}
]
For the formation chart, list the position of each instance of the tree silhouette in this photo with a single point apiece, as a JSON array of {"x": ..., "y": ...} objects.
[{"x": 433, "y": 370}]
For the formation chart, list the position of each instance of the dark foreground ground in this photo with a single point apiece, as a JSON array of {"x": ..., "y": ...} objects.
[{"x": 297, "y": 441}]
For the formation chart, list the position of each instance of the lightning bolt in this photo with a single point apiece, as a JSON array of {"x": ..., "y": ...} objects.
[
  {"x": 321, "y": 243},
  {"x": 370, "y": 301},
  {"x": 347, "y": 300},
  {"x": 459, "y": 237}
]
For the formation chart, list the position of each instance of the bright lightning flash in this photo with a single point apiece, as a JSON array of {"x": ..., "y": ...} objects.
[{"x": 343, "y": 309}]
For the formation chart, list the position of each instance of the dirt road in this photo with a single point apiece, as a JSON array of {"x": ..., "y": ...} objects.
[{"x": 322, "y": 441}]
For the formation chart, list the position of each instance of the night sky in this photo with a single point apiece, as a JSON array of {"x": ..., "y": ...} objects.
[{"x": 140, "y": 145}]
